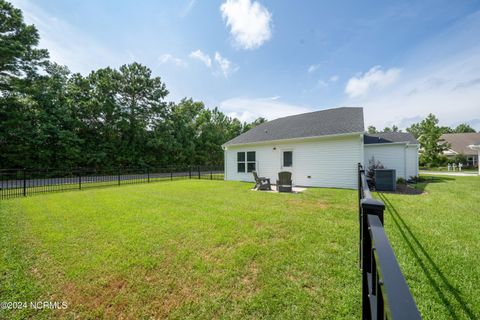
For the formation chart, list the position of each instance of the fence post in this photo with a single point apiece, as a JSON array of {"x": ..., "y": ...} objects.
[
  {"x": 118, "y": 176},
  {"x": 171, "y": 174},
  {"x": 373, "y": 207},
  {"x": 148, "y": 174},
  {"x": 360, "y": 171},
  {"x": 190, "y": 171},
  {"x": 24, "y": 183},
  {"x": 211, "y": 174},
  {"x": 79, "y": 180},
  {"x": 198, "y": 172}
]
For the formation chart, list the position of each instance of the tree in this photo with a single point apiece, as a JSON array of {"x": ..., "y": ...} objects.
[
  {"x": 19, "y": 59},
  {"x": 256, "y": 122},
  {"x": 463, "y": 128},
  {"x": 429, "y": 137},
  {"x": 56, "y": 143},
  {"x": 18, "y": 53},
  {"x": 110, "y": 118},
  {"x": 415, "y": 130},
  {"x": 372, "y": 129},
  {"x": 394, "y": 128}
]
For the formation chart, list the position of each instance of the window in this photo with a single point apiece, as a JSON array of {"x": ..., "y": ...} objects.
[
  {"x": 240, "y": 161},
  {"x": 247, "y": 162},
  {"x": 250, "y": 161},
  {"x": 287, "y": 158}
]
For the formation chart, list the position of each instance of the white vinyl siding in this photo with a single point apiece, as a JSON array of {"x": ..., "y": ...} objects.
[
  {"x": 402, "y": 158},
  {"x": 412, "y": 161},
  {"x": 323, "y": 162}
]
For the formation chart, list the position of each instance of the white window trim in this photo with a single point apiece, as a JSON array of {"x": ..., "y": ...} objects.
[
  {"x": 281, "y": 158},
  {"x": 244, "y": 161},
  {"x": 247, "y": 162}
]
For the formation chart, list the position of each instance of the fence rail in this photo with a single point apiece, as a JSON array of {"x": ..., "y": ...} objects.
[
  {"x": 385, "y": 293},
  {"x": 24, "y": 182}
]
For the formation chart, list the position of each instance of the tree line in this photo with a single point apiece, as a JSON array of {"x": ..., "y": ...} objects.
[
  {"x": 50, "y": 117},
  {"x": 428, "y": 134}
]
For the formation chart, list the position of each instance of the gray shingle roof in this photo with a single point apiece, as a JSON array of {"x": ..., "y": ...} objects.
[
  {"x": 459, "y": 142},
  {"x": 312, "y": 124},
  {"x": 389, "y": 137}
]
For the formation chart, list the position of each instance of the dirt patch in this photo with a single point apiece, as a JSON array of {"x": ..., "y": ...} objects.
[
  {"x": 251, "y": 275},
  {"x": 248, "y": 282},
  {"x": 108, "y": 300},
  {"x": 117, "y": 298}
]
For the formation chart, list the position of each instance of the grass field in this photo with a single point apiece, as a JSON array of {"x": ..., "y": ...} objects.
[
  {"x": 213, "y": 249},
  {"x": 187, "y": 249},
  {"x": 436, "y": 238}
]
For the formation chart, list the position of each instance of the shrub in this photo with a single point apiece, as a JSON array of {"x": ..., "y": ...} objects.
[
  {"x": 401, "y": 181},
  {"x": 372, "y": 165},
  {"x": 460, "y": 158}
]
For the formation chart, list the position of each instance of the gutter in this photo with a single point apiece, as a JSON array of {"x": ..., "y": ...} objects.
[{"x": 391, "y": 144}]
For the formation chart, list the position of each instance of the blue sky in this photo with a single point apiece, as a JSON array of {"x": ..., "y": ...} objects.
[{"x": 400, "y": 60}]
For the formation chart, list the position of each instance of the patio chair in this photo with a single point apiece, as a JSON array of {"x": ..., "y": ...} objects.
[
  {"x": 284, "y": 182},
  {"x": 261, "y": 183}
]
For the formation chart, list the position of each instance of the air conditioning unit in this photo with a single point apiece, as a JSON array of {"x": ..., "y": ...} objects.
[{"x": 385, "y": 180}]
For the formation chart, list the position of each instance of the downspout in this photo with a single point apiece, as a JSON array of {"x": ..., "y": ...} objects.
[
  {"x": 225, "y": 163},
  {"x": 362, "y": 150}
]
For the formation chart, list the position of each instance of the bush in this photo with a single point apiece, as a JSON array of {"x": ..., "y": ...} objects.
[
  {"x": 372, "y": 165},
  {"x": 459, "y": 158},
  {"x": 401, "y": 181}
]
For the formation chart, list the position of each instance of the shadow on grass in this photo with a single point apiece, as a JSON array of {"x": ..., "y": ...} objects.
[
  {"x": 435, "y": 276},
  {"x": 426, "y": 180}
]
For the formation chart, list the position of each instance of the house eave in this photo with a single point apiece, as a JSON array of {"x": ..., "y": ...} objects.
[
  {"x": 390, "y": 144},
  {"x": 300, "y": 139}
]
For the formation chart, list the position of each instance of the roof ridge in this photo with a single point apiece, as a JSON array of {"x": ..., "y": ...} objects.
[{"x": 310, "y": 112}]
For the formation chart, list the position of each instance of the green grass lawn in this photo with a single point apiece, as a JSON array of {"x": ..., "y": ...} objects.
[
  {"x": 186, "y": 249},
  {"x": 436, "y": 238},
  {"x": 212, "y": 249}
]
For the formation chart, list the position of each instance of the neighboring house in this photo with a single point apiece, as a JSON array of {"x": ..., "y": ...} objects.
[
  {"x": 394, "y": 150},
  {"x": 321, "y": 149},
  {"x": 459, "y": 144},
  {"x": 476, "y": 147}
]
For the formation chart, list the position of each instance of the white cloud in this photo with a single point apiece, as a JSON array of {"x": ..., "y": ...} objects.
[
  {"x": 325, "y": 83},
  {"x": 168, "y": 58},
  {"x": 439, "y": 76},
  {"x": 222, "y": 65},
  {"x": 249, "y": 22},
  {"x": 361, "y": 84},
  {"x": 334, "y": 78},
  {"x": 66, "y": 44},
  {"x": 203, "y": 57},
  {"x": 428, "y": 89},
  {"x": 247, "y": 109},
  {"x": 313, "y": 68},
  {"x": 189, "y": 6},
  {"x": 225, "y": 65}
]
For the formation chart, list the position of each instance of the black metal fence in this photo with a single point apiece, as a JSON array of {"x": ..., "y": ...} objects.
[
  {"x": 24, "y": 182},
  {"x": 385, "y": 293}
]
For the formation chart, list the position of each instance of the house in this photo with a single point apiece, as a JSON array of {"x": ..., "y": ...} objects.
[
  {"x": 459, "y": 145},
  {"x": 476, "y": 147},
  {"x": 321, "y": 149}
]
